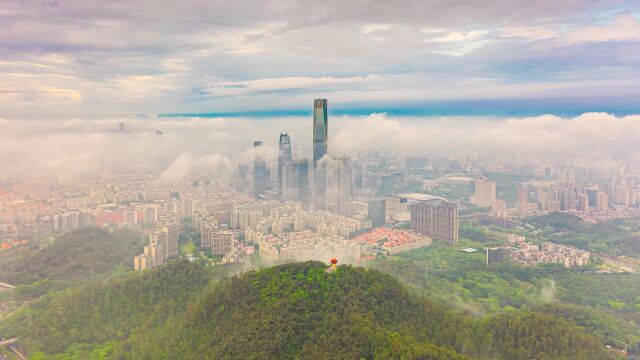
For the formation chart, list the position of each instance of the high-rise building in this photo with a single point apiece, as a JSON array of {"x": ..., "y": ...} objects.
[
  {"x": 221, "y": 242},
  {"x": 157, "y": 241},
  {"x": 497, "y": 255},
  {"x": 339, "y": 185},
  {"x": 602, "y": 201},
  {"x": 583, "y": 203},
  {"x": 320, "y": 138},
  {"x": 523, "y": 201},
  {"x": 259, "y": 170},
  {"x": 436, "y": 218},
  {"x": 284, "y": 158},
  {"x": 376, "y": 212},
  {"x": 296, "y": 181},
  {"x": 171, "y": 240},
  {"x": 485, "y": 193}
]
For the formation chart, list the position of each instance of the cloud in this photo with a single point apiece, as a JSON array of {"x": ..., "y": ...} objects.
[
  {"x": 370, "y": 28},
  {"x": 624, "y": 28},
  {"x": 453, "y": 36},
  {"x": 78, "y": 57},
  {"x": 62, "y": 150},
  {"x": 289, "y": 83},
  {"x": 528, "y": 32},
  {"x": 187, "y": 166}
]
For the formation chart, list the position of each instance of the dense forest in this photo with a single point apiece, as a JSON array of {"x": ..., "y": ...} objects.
[
  {"x": 72, "y": 256},
  {"x": 292, "y": 311},
  {"x": 607, "y": 305},
  {"x": 615, "y": 237}
]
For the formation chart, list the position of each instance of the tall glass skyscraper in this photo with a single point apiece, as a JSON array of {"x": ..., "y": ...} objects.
[
  {"x": 295, "y": 182},
  {"x": 339, "y": 179},
  {"x": 320, "y": 137},
  {"x": 259, "y": 171},
  {"x": 284, "y": 158}
]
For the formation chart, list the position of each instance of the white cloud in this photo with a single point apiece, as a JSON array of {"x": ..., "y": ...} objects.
[
  {"x": 528, "y": 32},
  {"x": 454, "y": 36},
  {"x": 624, "y": 28},
  {"x": 106, "y": 57},
  {"x": 367, "y": 29},
  {"x": 60, "y": 150},
  {"x": 276, "y": 84}
]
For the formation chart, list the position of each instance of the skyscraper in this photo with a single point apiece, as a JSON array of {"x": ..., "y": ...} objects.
[
  {"x": 602, "y": 201},
  {"x": 339, "y": 189},
  {"x": 320, "y": 137},
  {"x": 376, "y": 212},
  {"x": 295, "y": 181},
  {"x": 436, "y": 218},
  {"x": 259, "y": 170},
  {"x": 523, "y": 201},
  {"x": 284, "y": 158},
  {"x": 485, "y": 193}
]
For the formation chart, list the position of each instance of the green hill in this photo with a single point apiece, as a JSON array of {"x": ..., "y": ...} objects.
[
  {"x": 292, "y": 311},
  {"x": 74, "y": 255}
]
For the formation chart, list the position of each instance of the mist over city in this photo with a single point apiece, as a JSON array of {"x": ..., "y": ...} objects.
[{"x": 315, "y": 180}]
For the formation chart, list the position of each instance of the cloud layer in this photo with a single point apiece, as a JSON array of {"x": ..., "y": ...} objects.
[
  {"x": 62, "y": 150},
  {"x": 73, "y": 57}
]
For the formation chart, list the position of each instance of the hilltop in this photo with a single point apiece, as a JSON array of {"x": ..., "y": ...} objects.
[{"x": 292, "y": 311}]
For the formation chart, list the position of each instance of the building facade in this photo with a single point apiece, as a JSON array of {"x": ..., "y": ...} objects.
[
  {"x": 259, "y": 170},
  {"x": 284, "y": 158},
  {"x": 436, "y": 218},
  {"x": 320, "y": 138}
]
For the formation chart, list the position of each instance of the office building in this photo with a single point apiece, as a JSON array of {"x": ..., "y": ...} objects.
[
  {"x": 436, "y": 218},
  {"x": 259, "y": 170},
  {"x": 296, "y": 182},
  {"x": 376, "y": 212},
  {"x": 339, "y": 185},
  {"x": 523, "y": 201},
  {"x": 320, "y": 138},
  {"x": 284, "y": 158}
]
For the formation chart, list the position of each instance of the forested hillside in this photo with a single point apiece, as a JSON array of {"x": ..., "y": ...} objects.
[
  {"x": 292, "y": 311},
  {"x": 73, "y": 255}
]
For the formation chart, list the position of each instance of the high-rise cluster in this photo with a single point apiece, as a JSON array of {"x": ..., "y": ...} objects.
[{"x": 163, "y": 245}]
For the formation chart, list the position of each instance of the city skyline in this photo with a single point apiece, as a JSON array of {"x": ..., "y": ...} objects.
[{"x": 299, "y": 179}]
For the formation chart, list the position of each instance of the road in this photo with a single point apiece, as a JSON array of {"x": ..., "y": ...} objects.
[
  {"x": 11, "y": 344},
  {"x": 5, "y": 286}
]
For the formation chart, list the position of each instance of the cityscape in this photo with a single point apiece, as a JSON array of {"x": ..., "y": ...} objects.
[
  {"x": 301, "y": 209},
  {"x": 316, "y": 180}
]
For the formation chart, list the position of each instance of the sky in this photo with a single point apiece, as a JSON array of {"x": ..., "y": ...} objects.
[{"x": 86, "y": 58}]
